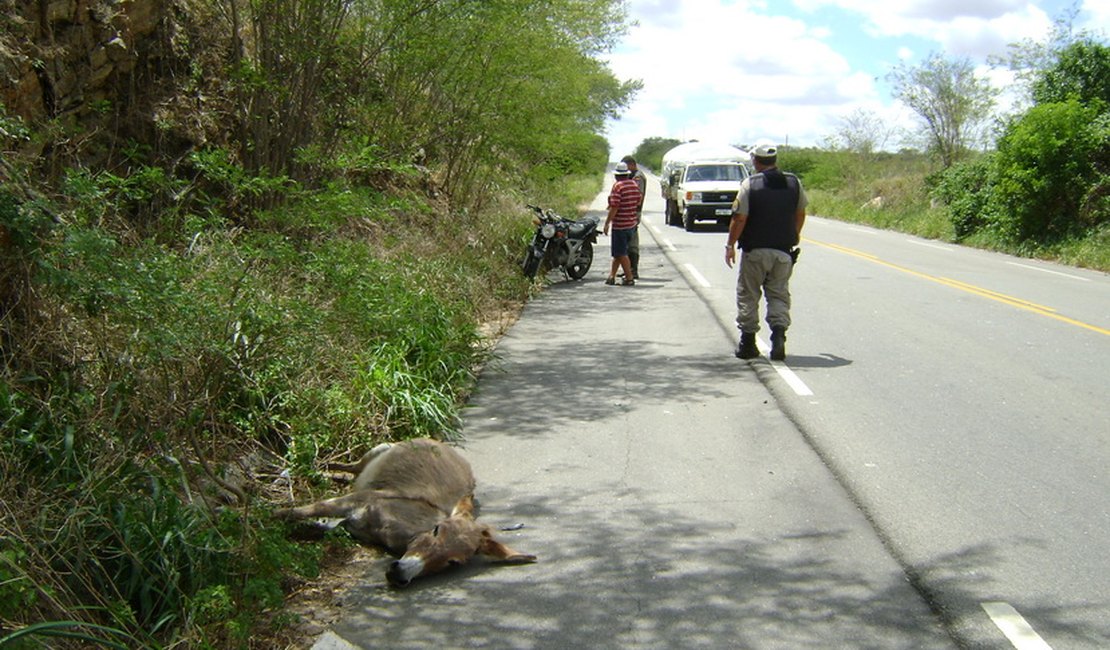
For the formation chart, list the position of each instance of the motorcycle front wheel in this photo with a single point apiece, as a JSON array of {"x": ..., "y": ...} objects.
[
  {"x": 531, "y": 262},
  {"x": 581, "y": 266}
]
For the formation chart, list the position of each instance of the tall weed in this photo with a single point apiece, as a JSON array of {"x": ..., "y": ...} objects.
[{"x": 181, "y": 367}]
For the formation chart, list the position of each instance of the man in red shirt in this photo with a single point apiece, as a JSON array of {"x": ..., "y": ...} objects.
[
  {"x": 634, "y": 245},
  {"x": 624, "y": 203}
]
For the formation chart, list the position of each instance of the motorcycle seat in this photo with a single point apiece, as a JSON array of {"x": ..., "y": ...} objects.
[{"x": 579, "y": 229}]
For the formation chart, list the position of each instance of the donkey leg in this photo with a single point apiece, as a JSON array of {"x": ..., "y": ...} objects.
[{"x": 340, "y": 507}]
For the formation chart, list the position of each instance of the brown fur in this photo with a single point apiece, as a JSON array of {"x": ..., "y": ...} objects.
[{"x": 416, "y": 500}]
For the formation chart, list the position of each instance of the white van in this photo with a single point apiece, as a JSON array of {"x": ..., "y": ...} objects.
[{"x": 700, "y": 181}]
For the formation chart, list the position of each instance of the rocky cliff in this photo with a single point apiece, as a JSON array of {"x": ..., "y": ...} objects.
[{"x": 90, "y": 66}]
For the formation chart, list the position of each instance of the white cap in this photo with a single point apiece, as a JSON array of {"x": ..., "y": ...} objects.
[
  {"x": 622, "y": 169},
  {"x": 765, "y": 149}
]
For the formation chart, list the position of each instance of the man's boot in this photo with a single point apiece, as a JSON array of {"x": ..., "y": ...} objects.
[
  {"x": 747, "y": 348},
  {"x": 778, "y": 343}
]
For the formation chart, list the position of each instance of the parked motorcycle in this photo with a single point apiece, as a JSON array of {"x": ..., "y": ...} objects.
[{"x": 560, "y": 243}]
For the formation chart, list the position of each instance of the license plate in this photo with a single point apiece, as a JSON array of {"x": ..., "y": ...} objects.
[{"x": 723, "y": 211}]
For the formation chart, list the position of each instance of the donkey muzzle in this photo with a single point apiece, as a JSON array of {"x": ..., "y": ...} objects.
[{"x": 401, "y": 572}]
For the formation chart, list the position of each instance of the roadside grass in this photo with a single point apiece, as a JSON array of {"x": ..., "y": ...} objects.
[
  {"x": 914, "y": 217},
  {"x": 848, "y": 187},
  {"x": 164, "y": 386}
]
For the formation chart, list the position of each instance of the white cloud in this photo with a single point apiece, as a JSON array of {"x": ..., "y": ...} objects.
[
  {"x": 737, "y": 71},
  {"x": 978, "y": 38},
  {"x": 974, "y": 28},
  {"x": 727, "y": 72},
  {"x": 1097, "y": 14}
]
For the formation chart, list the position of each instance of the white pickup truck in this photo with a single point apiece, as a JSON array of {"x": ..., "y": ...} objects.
[{"x": 699, "y": 181}]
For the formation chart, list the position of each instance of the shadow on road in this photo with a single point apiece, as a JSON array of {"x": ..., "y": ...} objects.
[{"x": 604, "y": 585}]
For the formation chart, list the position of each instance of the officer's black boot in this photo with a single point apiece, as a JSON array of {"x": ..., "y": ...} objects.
[
  {"x": 778, "y": 343},
  {"x": 747, "y": 348}
]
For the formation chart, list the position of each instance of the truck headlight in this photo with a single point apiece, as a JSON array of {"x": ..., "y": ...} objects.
[{"x": 693, "y": 196}]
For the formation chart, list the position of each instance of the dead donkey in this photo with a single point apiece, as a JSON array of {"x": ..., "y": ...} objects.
[{"x": 415, "y": 499}]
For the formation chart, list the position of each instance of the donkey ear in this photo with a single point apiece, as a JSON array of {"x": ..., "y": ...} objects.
[
  {"x": 492, "y": 548},
  {"x": 465, "y": 507}
]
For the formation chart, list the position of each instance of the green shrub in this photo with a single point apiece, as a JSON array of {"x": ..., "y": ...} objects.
[
  {"x": 221, "y": 181},
  {"x": 17, "y": 591},
  {"x": 1044, "y": 169},
  {"x": 966, "y": 189},
  {"x": 23, "y": 223}
]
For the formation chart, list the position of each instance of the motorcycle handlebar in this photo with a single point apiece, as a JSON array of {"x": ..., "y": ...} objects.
[{"x": 544, "y": 213}]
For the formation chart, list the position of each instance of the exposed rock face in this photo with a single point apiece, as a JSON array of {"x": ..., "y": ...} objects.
[
  {"x": 60, "y": 57},
  {"x": 84, "y": 62}
]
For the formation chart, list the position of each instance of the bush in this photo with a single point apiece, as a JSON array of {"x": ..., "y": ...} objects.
[
  {"x": 1044, "y": 169},
  {"x": 966, "y": 189}
]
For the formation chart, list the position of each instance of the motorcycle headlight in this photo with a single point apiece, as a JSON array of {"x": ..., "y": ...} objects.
[{"x": 548, "y": 230}]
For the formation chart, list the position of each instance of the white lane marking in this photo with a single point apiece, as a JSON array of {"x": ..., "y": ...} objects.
[
  {"x": 1037, "y": 268},
  {"x": 866, "y": 231},
  {"x": 947, "y": 249},
  {"x": 667, "y": 243},
  {"x": 1014, "y": 626},
  {"x": 794, "y": 381},
  {"x": 698, "y": 277}
]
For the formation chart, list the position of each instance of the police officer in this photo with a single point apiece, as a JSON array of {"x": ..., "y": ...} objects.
[{"x": 767, "y": 220}]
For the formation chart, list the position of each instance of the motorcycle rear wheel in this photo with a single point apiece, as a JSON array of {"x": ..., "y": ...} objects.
[{"x": 581, "y": 267}]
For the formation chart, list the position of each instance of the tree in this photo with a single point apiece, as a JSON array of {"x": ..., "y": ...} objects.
[
  {"x": 1029, "y": 58},
  {"x": 491, "y": 89},
  {"x": 952, "y": 101},
  {"x": 863, "y": 132},
  {"x": 1081, "y": 71},
  {"x": 649, "y": 153}
]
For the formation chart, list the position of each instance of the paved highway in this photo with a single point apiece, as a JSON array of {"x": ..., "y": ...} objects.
[{"x": 963, "y": 398}]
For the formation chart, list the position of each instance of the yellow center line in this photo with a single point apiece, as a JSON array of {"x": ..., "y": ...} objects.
[{"x": 963, "y": 286}]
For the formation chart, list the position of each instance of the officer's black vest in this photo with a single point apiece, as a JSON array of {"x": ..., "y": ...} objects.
[{"x": 772, "y": 204}]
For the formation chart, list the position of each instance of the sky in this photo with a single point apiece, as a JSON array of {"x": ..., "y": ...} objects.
[{"x": 735, "y": 71}]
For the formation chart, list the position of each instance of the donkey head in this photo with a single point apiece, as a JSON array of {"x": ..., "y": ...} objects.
[{"x": 451, "y": 542}]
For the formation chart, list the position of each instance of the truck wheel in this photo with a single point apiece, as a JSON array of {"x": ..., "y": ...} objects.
[{"x": 688, "y": 221}]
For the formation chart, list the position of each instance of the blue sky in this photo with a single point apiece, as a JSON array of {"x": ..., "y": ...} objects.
[{"x": 791, "y": 70}]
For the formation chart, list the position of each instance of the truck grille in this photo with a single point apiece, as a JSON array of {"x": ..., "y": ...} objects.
[{"x": 718, "y": 197}]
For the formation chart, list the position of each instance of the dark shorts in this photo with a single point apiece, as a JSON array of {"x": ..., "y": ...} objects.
[{"x": 619, "y": 240}]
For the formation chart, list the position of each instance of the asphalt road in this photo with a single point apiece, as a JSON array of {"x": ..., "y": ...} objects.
[
  {"x": 927, "y": 470},
  {"x": 963, "y": 398}
]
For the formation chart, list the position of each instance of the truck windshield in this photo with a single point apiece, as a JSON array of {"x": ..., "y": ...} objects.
[{"x": 715, "y": 173}]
